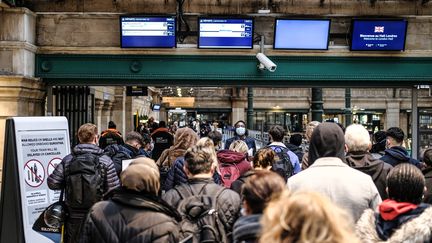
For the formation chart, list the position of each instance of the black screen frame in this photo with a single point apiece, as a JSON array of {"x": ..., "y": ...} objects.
[
  {"x": 145, "y": 16},
  {"x": 225, "y": 17},
  {"x": 377, "y": 19},
  {"x": 311, "y": 49}
]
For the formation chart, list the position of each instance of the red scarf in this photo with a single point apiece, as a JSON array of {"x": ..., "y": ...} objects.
[{"x": 390, "y": 209}]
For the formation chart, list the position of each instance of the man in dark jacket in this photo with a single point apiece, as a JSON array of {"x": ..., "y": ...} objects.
[
  {"x": 199, "y": 166},
  {"x": 110, "y": 136},
  {"x": 241, "y": 133},
  {"x": 294, "y": 145},
  {"x": 134, "y": 213},
  {"x": 395, "y": 153},
  {"x": 60, "y": 179},
  {"x": 129, "y": 150},
  {"x": 162, "y": 139},
  {"x": 357, "y": 143}
]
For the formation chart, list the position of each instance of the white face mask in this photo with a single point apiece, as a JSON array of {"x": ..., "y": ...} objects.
[{"x": 240, "y": 131}]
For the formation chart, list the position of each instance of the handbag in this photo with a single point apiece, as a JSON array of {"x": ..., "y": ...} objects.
[{"x": 52, "y": 218}]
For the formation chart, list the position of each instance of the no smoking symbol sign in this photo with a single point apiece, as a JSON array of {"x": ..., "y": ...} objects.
[
  {"x": 52, "y": 165},
  {"x": 34, "y": 173}
]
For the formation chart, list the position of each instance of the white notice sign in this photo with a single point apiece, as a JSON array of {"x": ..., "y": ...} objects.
[{"x": 42, "y": 143}]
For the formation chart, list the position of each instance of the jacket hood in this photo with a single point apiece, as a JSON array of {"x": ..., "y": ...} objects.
[
  {"x": 141, "y": 200},
  {"x": 417, "y": 229},
  {"x": 398, "y": 152},
  {"x": 390, "y": 209},
  {"x": 228, "y": 156},
  {"x": 366, "y": 163},
  {"x": 327, "y": 141}
]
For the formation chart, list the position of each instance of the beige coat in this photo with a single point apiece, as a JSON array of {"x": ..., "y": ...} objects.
[{"x": 347, "y": 187}]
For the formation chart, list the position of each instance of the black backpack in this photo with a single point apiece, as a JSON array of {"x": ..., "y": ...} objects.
[
  {"x": 282, "y": 164},
  {"x": 84, "y": 181},
  {"x": 201, "y": 219}
]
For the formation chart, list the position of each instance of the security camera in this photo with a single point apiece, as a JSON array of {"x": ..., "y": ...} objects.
[{"x": 266, "y": 63}]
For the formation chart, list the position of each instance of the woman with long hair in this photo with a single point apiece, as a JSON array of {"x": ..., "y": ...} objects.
[
  {"x": 305, "y": 217},
  {"x": 183, "y": 139}
]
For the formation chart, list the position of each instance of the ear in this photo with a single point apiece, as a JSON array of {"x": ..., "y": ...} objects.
[
  {"x": 369, "y": 147},
  {"x": 346, "y": 148},
  {"x": 387, "y": 191},
  {"x": 188, "y": 174}
]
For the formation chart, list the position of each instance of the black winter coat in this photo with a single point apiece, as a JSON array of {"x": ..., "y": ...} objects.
[
  {"x": 229, "y": 201},
  {"x": 57, "y": 181},
  {"x": 130, "y": 217},
  {"x": 398, "y": 154}
]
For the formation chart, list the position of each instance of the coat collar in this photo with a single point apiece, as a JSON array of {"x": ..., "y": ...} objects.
[{"x": 328, "y": 161}]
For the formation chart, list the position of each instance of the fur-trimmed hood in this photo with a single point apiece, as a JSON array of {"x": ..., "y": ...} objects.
[{"x": 417, "y": 230}]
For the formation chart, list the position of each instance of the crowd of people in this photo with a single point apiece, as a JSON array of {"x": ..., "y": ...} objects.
[{"x": 165, "y": 185}]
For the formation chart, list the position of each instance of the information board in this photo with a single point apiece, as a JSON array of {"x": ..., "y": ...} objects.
[
  {"x": 148, "y": 31},
  {"x": 378, "y": 35},
  {"x": 301, "y": 34},
  {"x": 38, "y": 146},
  {"x": 223, "y": 33}
]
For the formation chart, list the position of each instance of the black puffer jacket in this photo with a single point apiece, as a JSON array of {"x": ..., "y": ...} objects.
[
  {"x": 57, "y": 181},
  {"x": 229, "y": 201},
  {"x": 130, "y": 217}
]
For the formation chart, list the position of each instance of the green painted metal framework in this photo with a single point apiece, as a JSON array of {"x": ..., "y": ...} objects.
[{"x": 205, "y": 70}]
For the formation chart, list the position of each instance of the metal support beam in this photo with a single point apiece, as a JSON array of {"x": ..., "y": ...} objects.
[
  {"x": 348, "y": 108},
  {"x": 414, "y": 123},
  {"x": 250, "y": 114},
  {"x": 317, "y": 104}
]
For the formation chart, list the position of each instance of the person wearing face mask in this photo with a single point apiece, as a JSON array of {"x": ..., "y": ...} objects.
[{"x": 241, "y": 134}]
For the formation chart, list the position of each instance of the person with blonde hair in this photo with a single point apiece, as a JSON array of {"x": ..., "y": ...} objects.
[
  {"x": 239, "y": 146},
  {"x": 305, "y": 217},
  {"x": 233, "y": 163},
  {"x": 263, "y": 160},
  {"x": 134, "y": 212},
  {"x": 309, "y": 129},
  {"x": 177, "y": 175}
]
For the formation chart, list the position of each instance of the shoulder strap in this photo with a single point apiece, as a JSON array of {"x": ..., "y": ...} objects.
[{"x": 183, "y": 191}]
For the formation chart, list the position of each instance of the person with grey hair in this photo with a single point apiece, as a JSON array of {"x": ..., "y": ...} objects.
[
  {"x": 134, "y": 213},
  {"x": 330, "y": 176},
  {"x": 357, "y": 146}
]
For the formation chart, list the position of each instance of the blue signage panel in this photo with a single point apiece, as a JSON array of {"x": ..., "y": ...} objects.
[
  {"x": 148, "y": 32},
  {"x": 378, "y": 35},
  {"x": 301, "y": 34},
  {"x": 225, "y": 33}
]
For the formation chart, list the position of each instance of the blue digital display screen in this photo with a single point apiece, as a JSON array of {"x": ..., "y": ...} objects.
[
  {"x": 378, "y": 35},
  {"x": 301, "y": 34},
  {"x": 225, "y": 33},
  {"x": 147, "y": 32}
]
